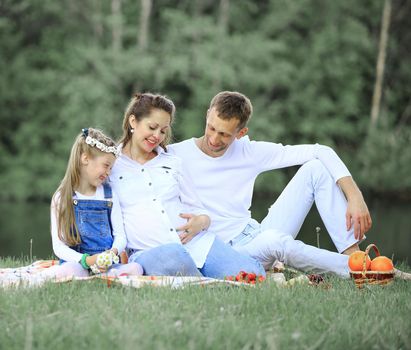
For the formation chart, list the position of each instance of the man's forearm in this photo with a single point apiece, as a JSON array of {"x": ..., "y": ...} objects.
[{"x": 349, "y": 188}]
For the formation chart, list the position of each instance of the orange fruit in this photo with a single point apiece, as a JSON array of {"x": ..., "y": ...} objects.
[
  {"x": 356, "y": 260},
  {"x": 382, "y": 263}
]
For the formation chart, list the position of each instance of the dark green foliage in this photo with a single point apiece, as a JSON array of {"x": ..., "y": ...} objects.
[{"x": 308, "y": 67}]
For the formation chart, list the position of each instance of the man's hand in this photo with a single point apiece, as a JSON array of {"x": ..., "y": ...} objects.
[
  {"x": 194, "y": 225},
  {"x": 357, "y": 214}
]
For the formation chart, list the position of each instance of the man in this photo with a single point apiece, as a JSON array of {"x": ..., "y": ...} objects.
[{"x": 224, "y": 163}]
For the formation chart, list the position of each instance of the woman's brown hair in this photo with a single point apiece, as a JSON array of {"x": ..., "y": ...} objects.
[{"x": 140, "y": 106}]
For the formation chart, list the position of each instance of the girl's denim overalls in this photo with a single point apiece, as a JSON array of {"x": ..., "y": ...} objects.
[{"x": 94, "y": 224}]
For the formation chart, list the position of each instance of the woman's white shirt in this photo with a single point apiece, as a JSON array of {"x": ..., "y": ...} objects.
[
  {"x": 62, "y": 250},
  {"x": 152, "y": 195}
]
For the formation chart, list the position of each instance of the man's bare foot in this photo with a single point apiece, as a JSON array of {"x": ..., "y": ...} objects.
[
  {"x": 402, "y": 275},
  {"x": 355, "y": 247}
]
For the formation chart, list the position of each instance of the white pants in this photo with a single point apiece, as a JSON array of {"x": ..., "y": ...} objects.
[{"x": 275, "y": 237}]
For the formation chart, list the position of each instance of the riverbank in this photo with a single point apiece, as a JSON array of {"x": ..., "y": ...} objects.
[{"x": 25, "y": 228}]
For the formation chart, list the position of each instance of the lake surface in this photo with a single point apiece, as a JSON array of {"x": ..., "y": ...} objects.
[{"x": 391, "y": 232}]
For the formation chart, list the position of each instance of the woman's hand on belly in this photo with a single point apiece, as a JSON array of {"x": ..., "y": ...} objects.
[{"x": 194, "y": 225}]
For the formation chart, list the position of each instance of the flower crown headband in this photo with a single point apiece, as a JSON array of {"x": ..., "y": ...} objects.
[{"x": 91, "y": 141}]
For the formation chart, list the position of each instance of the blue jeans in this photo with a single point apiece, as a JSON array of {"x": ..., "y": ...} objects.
[
  {"x": 223, "y": 261},
  {"x": 174, "y": 260},
  {"x": 166, "y": 260},
  {"x": 251, "y": 231}
]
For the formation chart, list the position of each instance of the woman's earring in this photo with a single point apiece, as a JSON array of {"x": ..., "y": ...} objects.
[{"x": 132, "y": 130}]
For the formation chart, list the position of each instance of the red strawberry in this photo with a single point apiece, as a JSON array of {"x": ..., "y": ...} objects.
[
  {"x": 261, "y": 278},
  {"x": 252, "y": 276}
]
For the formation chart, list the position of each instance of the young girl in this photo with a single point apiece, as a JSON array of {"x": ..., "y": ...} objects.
[
  {"x": 86, "y": 218},
  {"x": 154, "y": 193}
]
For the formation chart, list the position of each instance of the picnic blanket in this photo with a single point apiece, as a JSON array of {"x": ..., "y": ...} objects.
[{"x": 28, "y": 276}]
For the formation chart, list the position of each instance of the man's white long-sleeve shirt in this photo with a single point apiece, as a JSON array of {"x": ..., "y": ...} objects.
[{"x": 225, "y": 184}]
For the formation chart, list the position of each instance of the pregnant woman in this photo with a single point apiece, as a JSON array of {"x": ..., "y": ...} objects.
[{"x": 155, "y": 194}]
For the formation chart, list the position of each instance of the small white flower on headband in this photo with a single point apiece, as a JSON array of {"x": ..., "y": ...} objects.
[{"x": 102, "y": 147}]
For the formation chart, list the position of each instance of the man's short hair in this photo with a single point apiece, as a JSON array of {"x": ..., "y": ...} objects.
[{"x": 232, "y": 104}]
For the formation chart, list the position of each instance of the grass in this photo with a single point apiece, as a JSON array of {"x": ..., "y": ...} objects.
[{"x": 79, "y": 315}]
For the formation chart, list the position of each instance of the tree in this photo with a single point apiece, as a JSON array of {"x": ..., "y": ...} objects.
[{"x": 381, "y": 62}]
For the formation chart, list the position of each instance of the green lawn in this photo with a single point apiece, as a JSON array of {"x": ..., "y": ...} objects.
[{"x": 88, "y": 314}]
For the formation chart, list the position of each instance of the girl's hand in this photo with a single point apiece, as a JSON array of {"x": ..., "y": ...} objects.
[
  {"x": 92, "y": 259},
  {"x": 194, "y": 225},
  {"x": 114, "y": 250}
]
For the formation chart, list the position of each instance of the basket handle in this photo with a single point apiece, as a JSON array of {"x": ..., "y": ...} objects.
[{"x": 367, "y": 250}]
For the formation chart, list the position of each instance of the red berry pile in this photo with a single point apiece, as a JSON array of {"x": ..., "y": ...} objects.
[{"x": 246, "y": 277}]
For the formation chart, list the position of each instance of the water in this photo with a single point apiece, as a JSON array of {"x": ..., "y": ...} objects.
[{"x": 391, "y": 231}]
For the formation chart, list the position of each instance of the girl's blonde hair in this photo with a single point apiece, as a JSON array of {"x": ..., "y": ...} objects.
[
  {"x": 140, "y": 105},
  {"x": 66, "y": 222}
]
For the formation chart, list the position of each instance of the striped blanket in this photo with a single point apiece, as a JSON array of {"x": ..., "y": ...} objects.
[{"x": 27, "y": 276}]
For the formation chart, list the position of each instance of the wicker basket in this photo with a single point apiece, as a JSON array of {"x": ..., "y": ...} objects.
[{"x": 371, "y": 277}]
